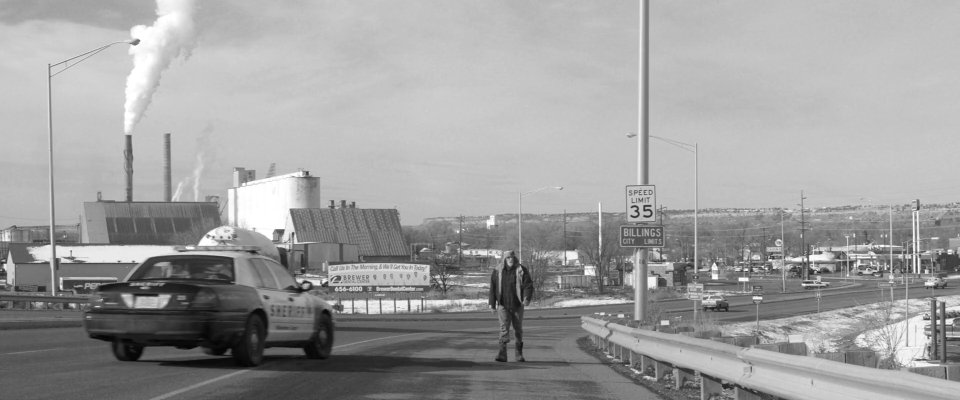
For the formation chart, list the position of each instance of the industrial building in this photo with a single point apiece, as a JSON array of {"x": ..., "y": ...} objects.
[
  {"x": 370, "y": 235},
  {"x": 149, "y": 223},
  {"x": 28, "y": 264},
  {"x": 285, "y": 208},
  {"x": 262, "y": 205}
]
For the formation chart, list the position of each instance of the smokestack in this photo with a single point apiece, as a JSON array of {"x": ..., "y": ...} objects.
[
  {"x": 128, "y": 165},
  {"x": 167, "y": 194}
]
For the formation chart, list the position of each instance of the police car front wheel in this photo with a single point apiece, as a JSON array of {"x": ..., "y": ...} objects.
[{"x": 321, "y": 342}]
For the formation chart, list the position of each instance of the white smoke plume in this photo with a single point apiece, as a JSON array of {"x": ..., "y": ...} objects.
[
  {"x": 196, "y": 176},
  {"x": 177, "y": 193},
  {"x": 173, "y": 34},
  {"x": 205, "y": 150}
]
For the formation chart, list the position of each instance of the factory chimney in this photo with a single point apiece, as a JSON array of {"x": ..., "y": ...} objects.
[
  {"x": 128, "y": 165},
  {"x": 167, "y": 193}
]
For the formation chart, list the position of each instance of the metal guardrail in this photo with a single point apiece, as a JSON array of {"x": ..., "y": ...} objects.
[
  {"x": 42, "y": 298},
  {"x": 782, "y": 375}
]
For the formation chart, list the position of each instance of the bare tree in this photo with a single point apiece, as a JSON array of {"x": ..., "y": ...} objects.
[
  {"x": 538, "y": 273},
  {"x": 542, "y": 238},
  {"x": 441, "y": 270},
  {"x": 599, "y": 253},
  {"x": 883, "y": 334}
]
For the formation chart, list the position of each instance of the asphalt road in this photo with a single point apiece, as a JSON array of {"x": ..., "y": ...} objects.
[{"x": 422, "y": 358}]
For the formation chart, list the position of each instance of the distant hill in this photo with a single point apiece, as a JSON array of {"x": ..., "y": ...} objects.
[{"x": 722, "y": 231}]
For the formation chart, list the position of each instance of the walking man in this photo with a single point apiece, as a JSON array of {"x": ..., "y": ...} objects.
[{"x": 511, "y": 289}]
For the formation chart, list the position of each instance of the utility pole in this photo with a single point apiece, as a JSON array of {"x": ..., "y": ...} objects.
[
  {"x": 564, "y": 238},
  {"x": 763, "y": 248},
  {"x": 783, "y": 258},
  {"x": 460, "y": 244},
  {"x": 803, "y": 243}
]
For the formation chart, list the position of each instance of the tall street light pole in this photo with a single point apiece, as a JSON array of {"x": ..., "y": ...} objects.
[
  {"x": 67, "y": 64},
  {"x": 643, "y": 159},
  {"x": 520, "y": 217},
  {"x": 695, "y": 148},
  {"x": 847, "y": 257}
]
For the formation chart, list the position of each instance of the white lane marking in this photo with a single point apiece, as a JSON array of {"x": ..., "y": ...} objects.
[
  {"x": 243, "y": 371},
  {"x": 30, "y": 351},
  {"x": 201, "y": 384},
  {"x": 374, "y": 340}
]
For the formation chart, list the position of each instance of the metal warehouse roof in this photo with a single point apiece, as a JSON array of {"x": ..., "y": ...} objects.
[
  {"x": 148, "y": 222},
  {"x": 377, "y": 232}
]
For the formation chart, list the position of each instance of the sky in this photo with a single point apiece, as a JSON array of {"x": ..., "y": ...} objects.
[{"x": 440, "y": 108}]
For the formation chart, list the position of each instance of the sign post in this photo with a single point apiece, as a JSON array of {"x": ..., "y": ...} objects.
[
  {"x": 695, "y": 293},
  {"x": 818, "y": 302},
  {"x": 757, "y": 299}
]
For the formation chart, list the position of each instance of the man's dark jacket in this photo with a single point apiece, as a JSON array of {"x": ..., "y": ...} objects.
[{"x": 522, "y": 289}]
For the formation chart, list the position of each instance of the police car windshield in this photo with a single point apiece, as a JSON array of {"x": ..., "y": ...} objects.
[{"x": 208, "y": 268}]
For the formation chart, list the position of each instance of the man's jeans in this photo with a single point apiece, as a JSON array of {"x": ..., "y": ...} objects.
[{"x": 507, "y": 318}]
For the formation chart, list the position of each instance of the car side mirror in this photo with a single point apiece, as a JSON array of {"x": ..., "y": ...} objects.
[{"x": 306, "y": 286}]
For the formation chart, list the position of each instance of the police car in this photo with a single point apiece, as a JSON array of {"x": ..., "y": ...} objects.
[{"x": 218, "y": 298}]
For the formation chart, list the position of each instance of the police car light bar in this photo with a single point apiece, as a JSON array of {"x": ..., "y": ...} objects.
[{"x": 251, "y": 249}]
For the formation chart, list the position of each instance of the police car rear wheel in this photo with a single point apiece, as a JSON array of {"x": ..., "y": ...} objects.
[
  {"x": 248, "y": 352},
  {"x": 126, "y": 351},
  {"x": 321, "y": 342}
]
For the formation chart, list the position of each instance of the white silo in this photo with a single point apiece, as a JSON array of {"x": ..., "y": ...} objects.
[{"x": 263, "y": 205}]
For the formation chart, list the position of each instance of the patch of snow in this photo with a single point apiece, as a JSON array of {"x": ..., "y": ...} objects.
[
  {"x": 822, "y": 332},
  {"x": 591, "y": 302}
]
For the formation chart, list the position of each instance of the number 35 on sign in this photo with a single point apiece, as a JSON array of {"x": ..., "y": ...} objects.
[{"x": 641, "y": 203}]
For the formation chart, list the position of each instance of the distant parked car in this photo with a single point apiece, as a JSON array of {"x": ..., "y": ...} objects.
[
  {"x": 715, "y": 302},
  {"x": 811, "y": 284},
  {"x": 952, "y": 314},
  {"x": 869, "y": 270},
  {"x": 935, "y": 283}
]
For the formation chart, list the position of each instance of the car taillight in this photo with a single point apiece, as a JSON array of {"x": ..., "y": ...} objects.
[
  {"x": 104, "y": 300},
  {"x": 204, "y": 299},
  {"x": 96, "y": 301}
]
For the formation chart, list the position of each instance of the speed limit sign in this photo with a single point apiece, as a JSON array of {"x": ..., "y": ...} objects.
[{"x": 641, "y": 203}]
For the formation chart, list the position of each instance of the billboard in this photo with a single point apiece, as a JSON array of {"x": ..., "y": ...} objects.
[
  {"x": 379, "y": 277},
  {"x": 84, "y": 285}
]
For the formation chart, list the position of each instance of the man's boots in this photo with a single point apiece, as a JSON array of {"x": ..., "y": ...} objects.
[
  {"x": 520, "y": 352},
  {"x": 502, "y": 355}
]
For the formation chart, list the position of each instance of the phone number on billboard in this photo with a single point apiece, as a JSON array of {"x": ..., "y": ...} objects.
[{"x": 348, "y": 289}]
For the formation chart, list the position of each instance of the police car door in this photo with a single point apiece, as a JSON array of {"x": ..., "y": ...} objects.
[
  {"x": 273, "y": 300},
  {"x": 293, "y": 307}
]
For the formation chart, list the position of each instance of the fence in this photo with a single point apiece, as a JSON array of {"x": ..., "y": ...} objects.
[
  {"x": 753, "y": 371},
  {"x": 30, "y": 301}
]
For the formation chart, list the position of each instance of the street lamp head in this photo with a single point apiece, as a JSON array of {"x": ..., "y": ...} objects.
[{"x": 134, "y": 42}]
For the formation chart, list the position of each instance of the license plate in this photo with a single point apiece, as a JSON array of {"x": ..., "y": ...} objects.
[{"x": 152, "y": 302}]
